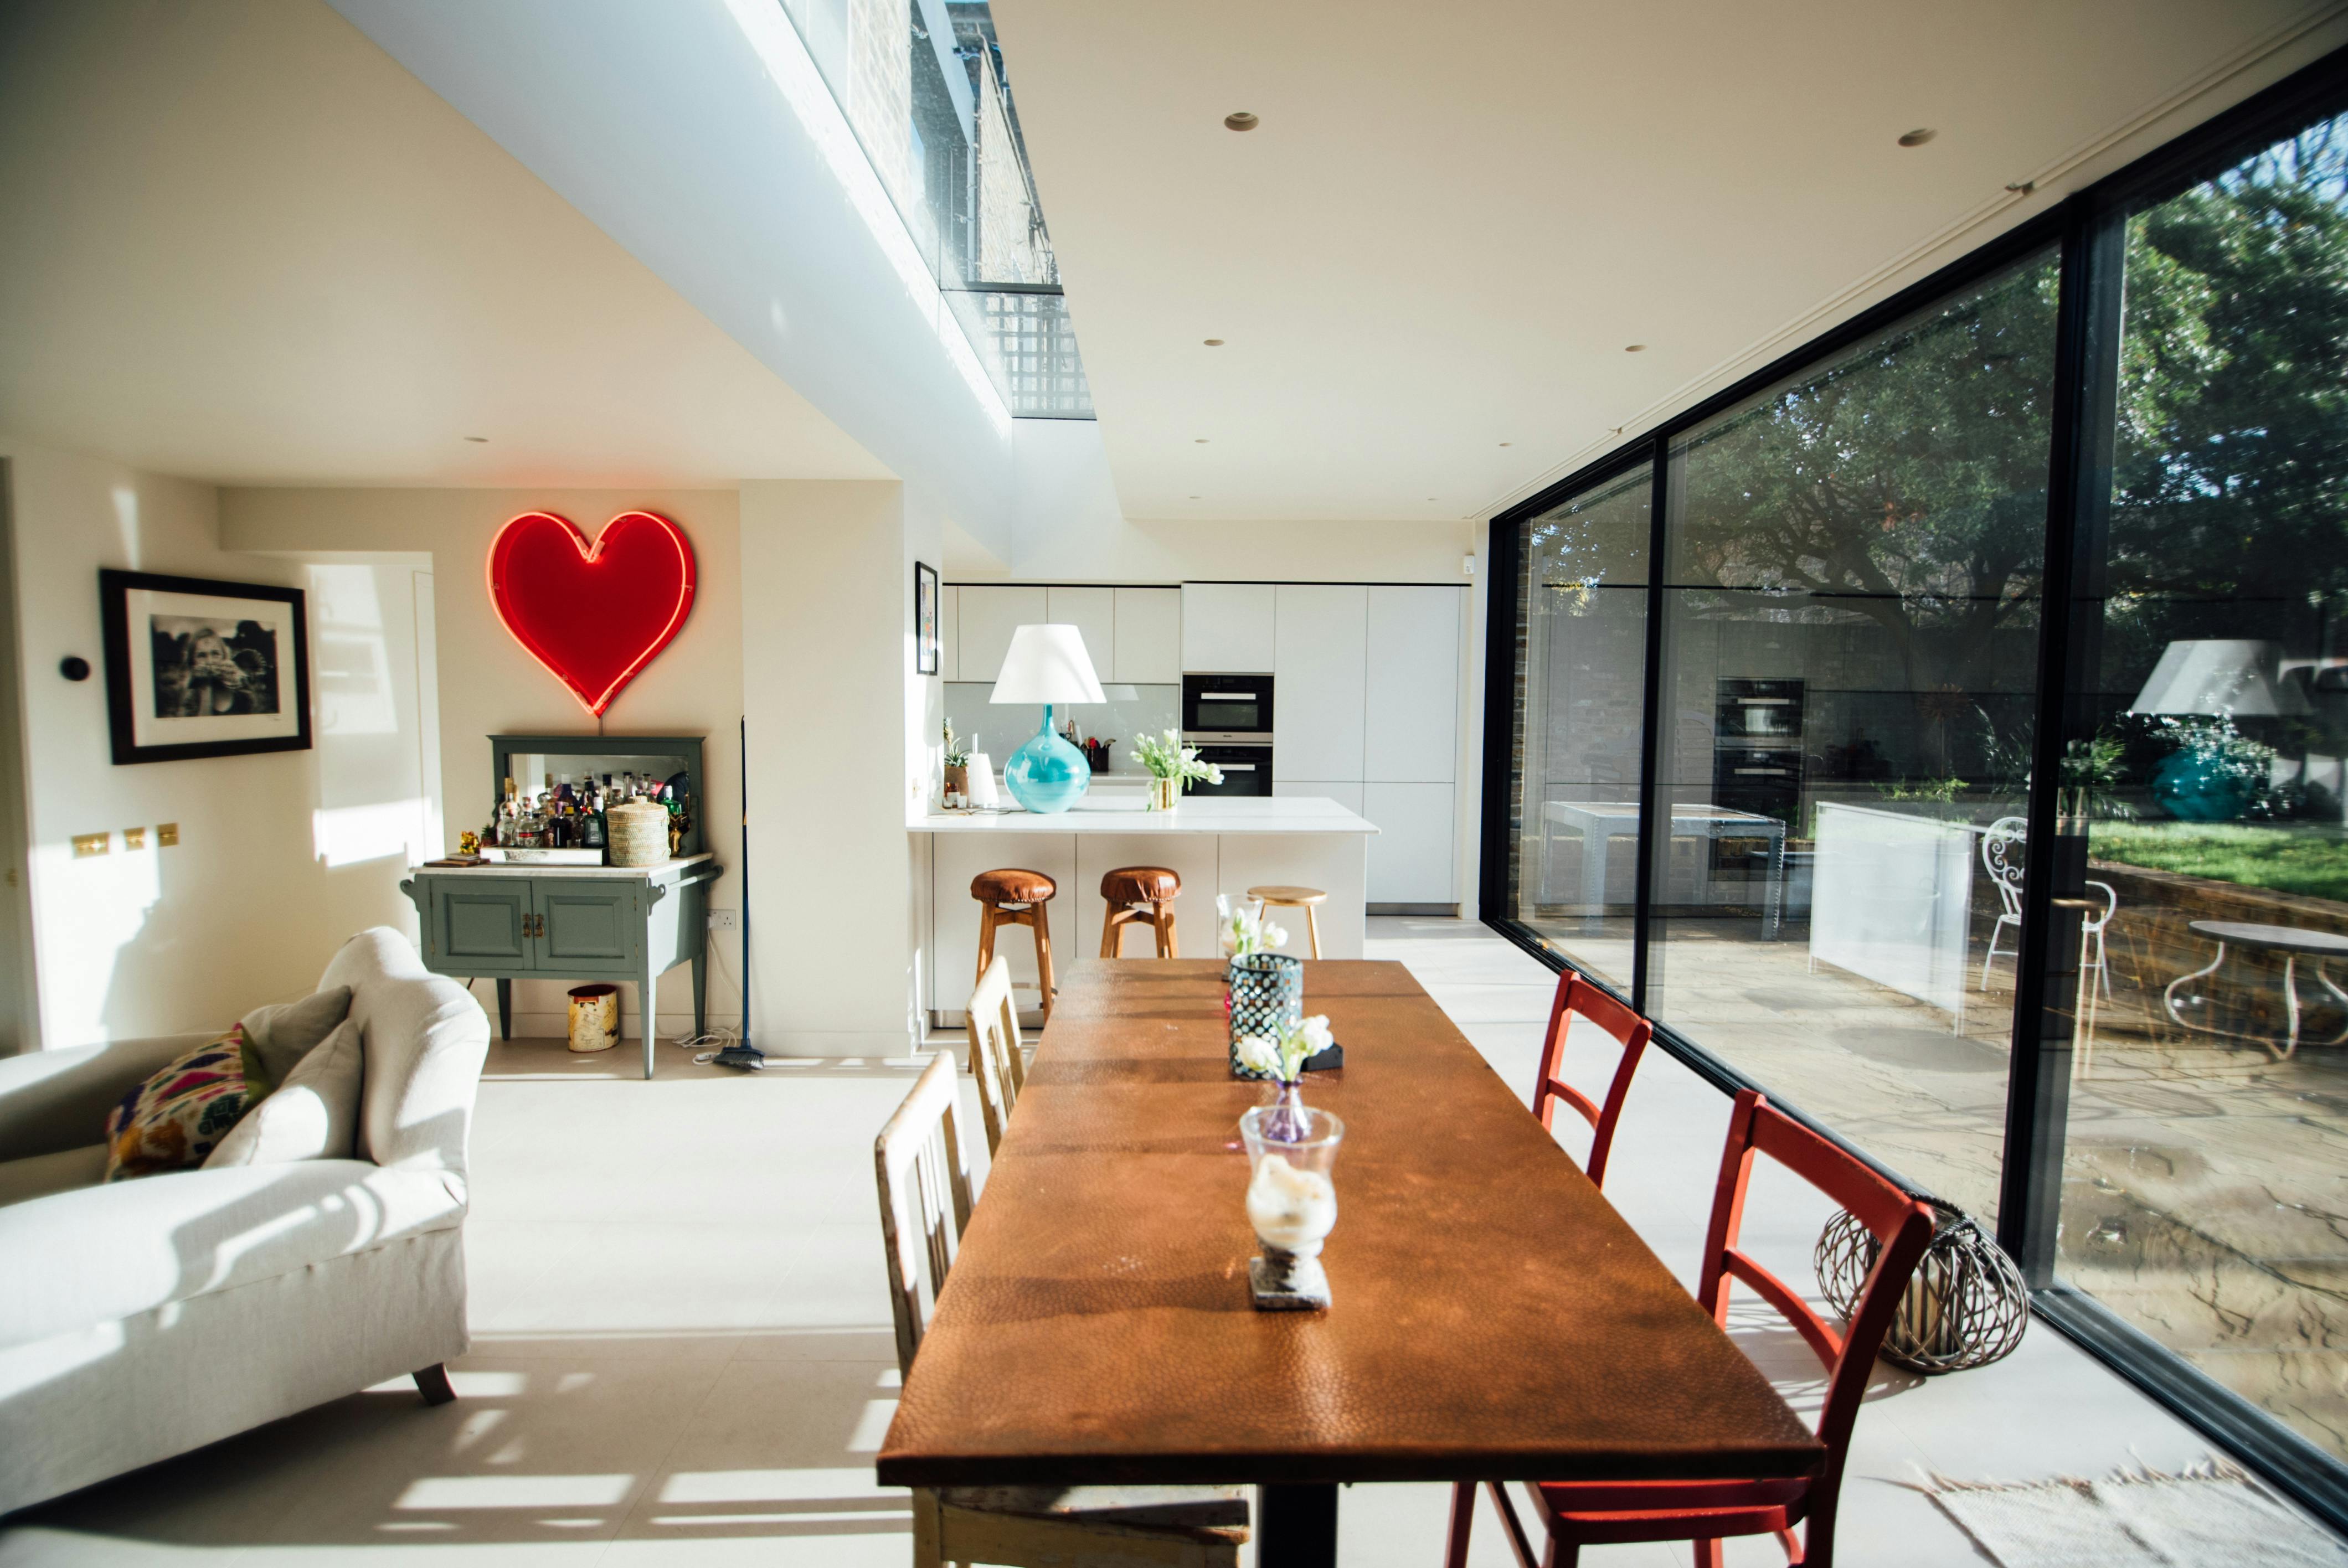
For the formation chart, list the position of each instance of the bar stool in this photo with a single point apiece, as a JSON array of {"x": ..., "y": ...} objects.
[
  {"x": 1012, "y": 897},
  {"x": 1126, "y": 890},
  {"x": 1302, "y": 899}
]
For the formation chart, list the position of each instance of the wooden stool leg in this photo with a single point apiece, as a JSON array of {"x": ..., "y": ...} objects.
[
  {"x": 988, "y": 914},
  {"x": 1165, "y": 924},
  {"x": 1110, "y": 932},
  {"x": 1312, "y": 927},
  {"x": 1044, "y": 957}
]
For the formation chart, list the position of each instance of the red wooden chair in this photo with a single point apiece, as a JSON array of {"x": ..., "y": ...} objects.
[
  {"x": 1588, "y": 1513},
  {"x": 1576, "y": 997}
]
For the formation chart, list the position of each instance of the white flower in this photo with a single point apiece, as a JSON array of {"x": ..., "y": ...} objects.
[
  {"x": 1314, "y": 1032},
  {"x": 1257, "y": 1054},
  {"x": 1214, "y": 773},
  {"x": 1272, "y": 935}
]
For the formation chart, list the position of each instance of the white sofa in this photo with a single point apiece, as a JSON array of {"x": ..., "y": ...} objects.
[{"x": 143, "y": 1318}]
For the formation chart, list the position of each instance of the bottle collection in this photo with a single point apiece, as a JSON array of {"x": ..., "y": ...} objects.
[{"x": 565, "y": 815}]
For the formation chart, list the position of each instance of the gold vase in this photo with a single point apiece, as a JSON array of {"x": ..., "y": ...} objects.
[{"x": 1164, "y": 792}]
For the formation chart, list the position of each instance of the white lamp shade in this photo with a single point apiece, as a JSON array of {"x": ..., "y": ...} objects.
[
  {"x": 2219, "y": 675},
  {"x": 1048, "y": 664}
]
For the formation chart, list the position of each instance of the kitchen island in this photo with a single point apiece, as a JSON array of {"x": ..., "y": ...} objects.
[{"x": 1215, "y": 845}]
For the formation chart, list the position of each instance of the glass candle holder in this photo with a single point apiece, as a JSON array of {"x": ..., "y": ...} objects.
[
  {"x": 1266, "y": 998},
  {"x": 1291, "y": 1203}
]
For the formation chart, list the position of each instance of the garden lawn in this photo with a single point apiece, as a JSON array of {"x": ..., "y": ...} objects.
[{"x": 2310, "y": 860}]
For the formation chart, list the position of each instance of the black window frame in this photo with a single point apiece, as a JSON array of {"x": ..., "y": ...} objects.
[{"x": 2088, "y": 232}]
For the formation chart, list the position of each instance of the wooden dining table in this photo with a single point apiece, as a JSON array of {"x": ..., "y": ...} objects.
[{"x": 1492, "y": 1317}]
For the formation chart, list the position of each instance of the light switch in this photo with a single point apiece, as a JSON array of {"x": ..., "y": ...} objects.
[
  {"x": 134, "y": 838},
  {"x": 167, "y": 835},
  {"x": 86, "y": 843}
]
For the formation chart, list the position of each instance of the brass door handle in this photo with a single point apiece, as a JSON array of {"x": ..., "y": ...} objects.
[{"x": 533, "y": 925}]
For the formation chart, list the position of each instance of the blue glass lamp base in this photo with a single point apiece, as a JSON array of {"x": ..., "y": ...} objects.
[
  {"x": 1047, "y": 775},
  {"x": 2196, "y": 789}
]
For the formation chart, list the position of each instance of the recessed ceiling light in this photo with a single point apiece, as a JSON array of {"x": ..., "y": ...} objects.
[
  {"x": 1430, "y": 498},
  {"x": 1201, "y": 441},
  {"x": 1240, "y": 121},
  {"x": 1194, "y": 498},
  {"x": 480, "y": 440},
  {"x": 1507, "y": 442},
  {"x": 1635, "y": 348},
  {"x": 1214, "y": 343},
  {"x": 1918, "y": 136}
]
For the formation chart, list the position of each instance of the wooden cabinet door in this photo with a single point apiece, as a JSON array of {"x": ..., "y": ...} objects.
[
  {"x": 1093, "y": 612},
  {"x": 1319, "y": 660},
  {"x": 1149, "y": 636},
  {"x": 986, "y": 615},
  {"x": 484, "y": 921},
  {"x": 1227, "y": 628},
  {"x": 589, "y": 927},
  {"x": 1410, "y": 859},
  {"x": 1413, "y": 665}
]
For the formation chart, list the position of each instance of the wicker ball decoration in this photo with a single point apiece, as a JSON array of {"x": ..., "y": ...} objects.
[{"x": 1966, "y": 1305}]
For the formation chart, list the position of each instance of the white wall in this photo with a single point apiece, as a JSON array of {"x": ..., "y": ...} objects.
[
  {"x": 488, "y": 685},
  {"x": 266, "y": 879},
  {"x": 824, "y": 656}
]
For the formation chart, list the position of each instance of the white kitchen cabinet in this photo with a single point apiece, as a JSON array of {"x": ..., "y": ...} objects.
[
  {"x": 989, "y": 614},
  {"x": 1093, "y": 612},
  {"x": 1410, "y": 857},
  {"x": 1346, "y": 792},
  {"x": 1319, "y": 670},
  {"x": 1228, "y": 627},
  {"x": 1149, "y": 636},
  {"x": 1413, "y": 699},
  {"x": 950, "y": 633}
]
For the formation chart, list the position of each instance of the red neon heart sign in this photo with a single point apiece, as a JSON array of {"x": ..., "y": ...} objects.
[{"x": 593, "y": 615}]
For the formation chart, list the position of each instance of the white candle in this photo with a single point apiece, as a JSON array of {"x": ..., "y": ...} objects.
[{"x": 1291, "y": 1209}]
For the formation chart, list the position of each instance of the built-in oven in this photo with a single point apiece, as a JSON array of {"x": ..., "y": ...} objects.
[
  {"x": 1246, "y": 762},
  {"x": 1235, "y": 705}
]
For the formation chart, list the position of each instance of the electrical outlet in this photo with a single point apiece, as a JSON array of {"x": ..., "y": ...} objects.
[
  {"x": 86, "y": 843},
  {"x": 167, "y": 835},
  {"x": 721, "y": 919}
]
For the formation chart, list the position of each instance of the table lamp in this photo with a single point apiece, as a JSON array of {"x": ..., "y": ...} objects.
[
  {"x": 2216, "y": 677},
  {"x": 1048, "y": 664}
]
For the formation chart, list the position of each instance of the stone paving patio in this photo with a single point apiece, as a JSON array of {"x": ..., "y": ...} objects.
[{"x": 2206, "y": 1183}]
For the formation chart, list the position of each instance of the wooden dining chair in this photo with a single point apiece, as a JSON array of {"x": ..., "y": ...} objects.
[
  {"x": 924, "y": 1204},
  {"x": 1579, "y": 1513},
  {"x": 1577, "y": 998},
  {"x": 996, "y": 1058}
]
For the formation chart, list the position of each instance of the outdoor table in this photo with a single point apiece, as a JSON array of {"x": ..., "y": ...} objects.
[
  {"x": 1600, "y": 823},
  {"x": 2292, "y": 943},
  {"x": 1493, "y": 1317}
]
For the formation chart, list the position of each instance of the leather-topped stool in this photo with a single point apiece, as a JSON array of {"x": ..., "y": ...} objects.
[
  {"x": 1140, "y": 895},
  {"x": 1304, "y": 898},
  {"x": 1014, "y": 896}
]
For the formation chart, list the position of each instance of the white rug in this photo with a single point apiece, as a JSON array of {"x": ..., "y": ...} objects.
[{"x": 2213, "y": 1518}]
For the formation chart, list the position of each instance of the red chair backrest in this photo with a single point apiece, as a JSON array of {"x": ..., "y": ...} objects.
[
  {"x": 1577, "y": 998},
  {"x": 1902, "y": 1224}
]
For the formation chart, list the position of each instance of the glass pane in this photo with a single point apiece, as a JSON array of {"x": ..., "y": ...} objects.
[
  {"x": 1583, "y": 630},
  {"x": 1850, "y": 639},
  {"x": 2203, "y": 1183}
]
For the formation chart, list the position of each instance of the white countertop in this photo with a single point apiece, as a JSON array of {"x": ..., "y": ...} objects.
[
  {"x": 509, "y": 868},
  {"x": 1123, "y": 814}
]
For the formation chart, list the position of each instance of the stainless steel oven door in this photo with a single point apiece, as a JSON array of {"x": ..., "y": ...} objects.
[
  {"x": 1246, "y": 769},
  {"x": 1228, "y": 705}
]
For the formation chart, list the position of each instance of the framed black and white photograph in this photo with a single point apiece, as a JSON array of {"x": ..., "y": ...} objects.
[
  {"x": 925, "y": 620},
  {"x": 203, "y": 669}
]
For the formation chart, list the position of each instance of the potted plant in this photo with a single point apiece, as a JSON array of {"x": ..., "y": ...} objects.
[
  {"x": 957, "y": 784},
  {"x": 1171, "y": 765}
]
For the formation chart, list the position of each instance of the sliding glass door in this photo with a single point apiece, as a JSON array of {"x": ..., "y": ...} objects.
[{"x": 1945, "y": 731}]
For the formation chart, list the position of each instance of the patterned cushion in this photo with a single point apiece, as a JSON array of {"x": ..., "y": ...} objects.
[{"x": 174, "y": 1120}]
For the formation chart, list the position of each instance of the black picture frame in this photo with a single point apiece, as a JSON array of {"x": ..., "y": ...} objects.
[
  {"x": 925, "y": 620},
  {"x": 114, "y": 591}
]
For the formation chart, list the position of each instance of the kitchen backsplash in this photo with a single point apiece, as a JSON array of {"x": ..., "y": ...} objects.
[{"x": 1002, "y": 731}]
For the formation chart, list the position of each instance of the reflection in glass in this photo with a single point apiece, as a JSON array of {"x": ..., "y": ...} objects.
[
  {"x": 2203, "y": 1179},
  {"x": 1849, "y": 646},
  {"x": 1584, "y": 619}
]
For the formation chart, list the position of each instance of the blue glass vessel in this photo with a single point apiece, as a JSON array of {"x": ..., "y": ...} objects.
[{"x": 1047, "y": 775}]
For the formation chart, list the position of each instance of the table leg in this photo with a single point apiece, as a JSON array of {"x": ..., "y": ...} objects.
[
  {"x": 648, "y": 1003},
  {"x": 1296, "y": 1526},
  {"x": 505, "y": 1010},
  {"x": 2324, "y": 977},
  {"x": 2290, "y": 1005},
  {"x": 2168, "y": 992}
]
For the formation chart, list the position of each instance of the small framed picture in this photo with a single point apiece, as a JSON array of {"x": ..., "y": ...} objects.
[
  {"x": 925, "y": 620},
  {"x": 203, "y": 669}
]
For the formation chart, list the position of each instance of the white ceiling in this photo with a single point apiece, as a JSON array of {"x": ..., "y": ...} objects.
[
  {"x": 240, "y": 242},
  {"x": 1453, "y": 219}
]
